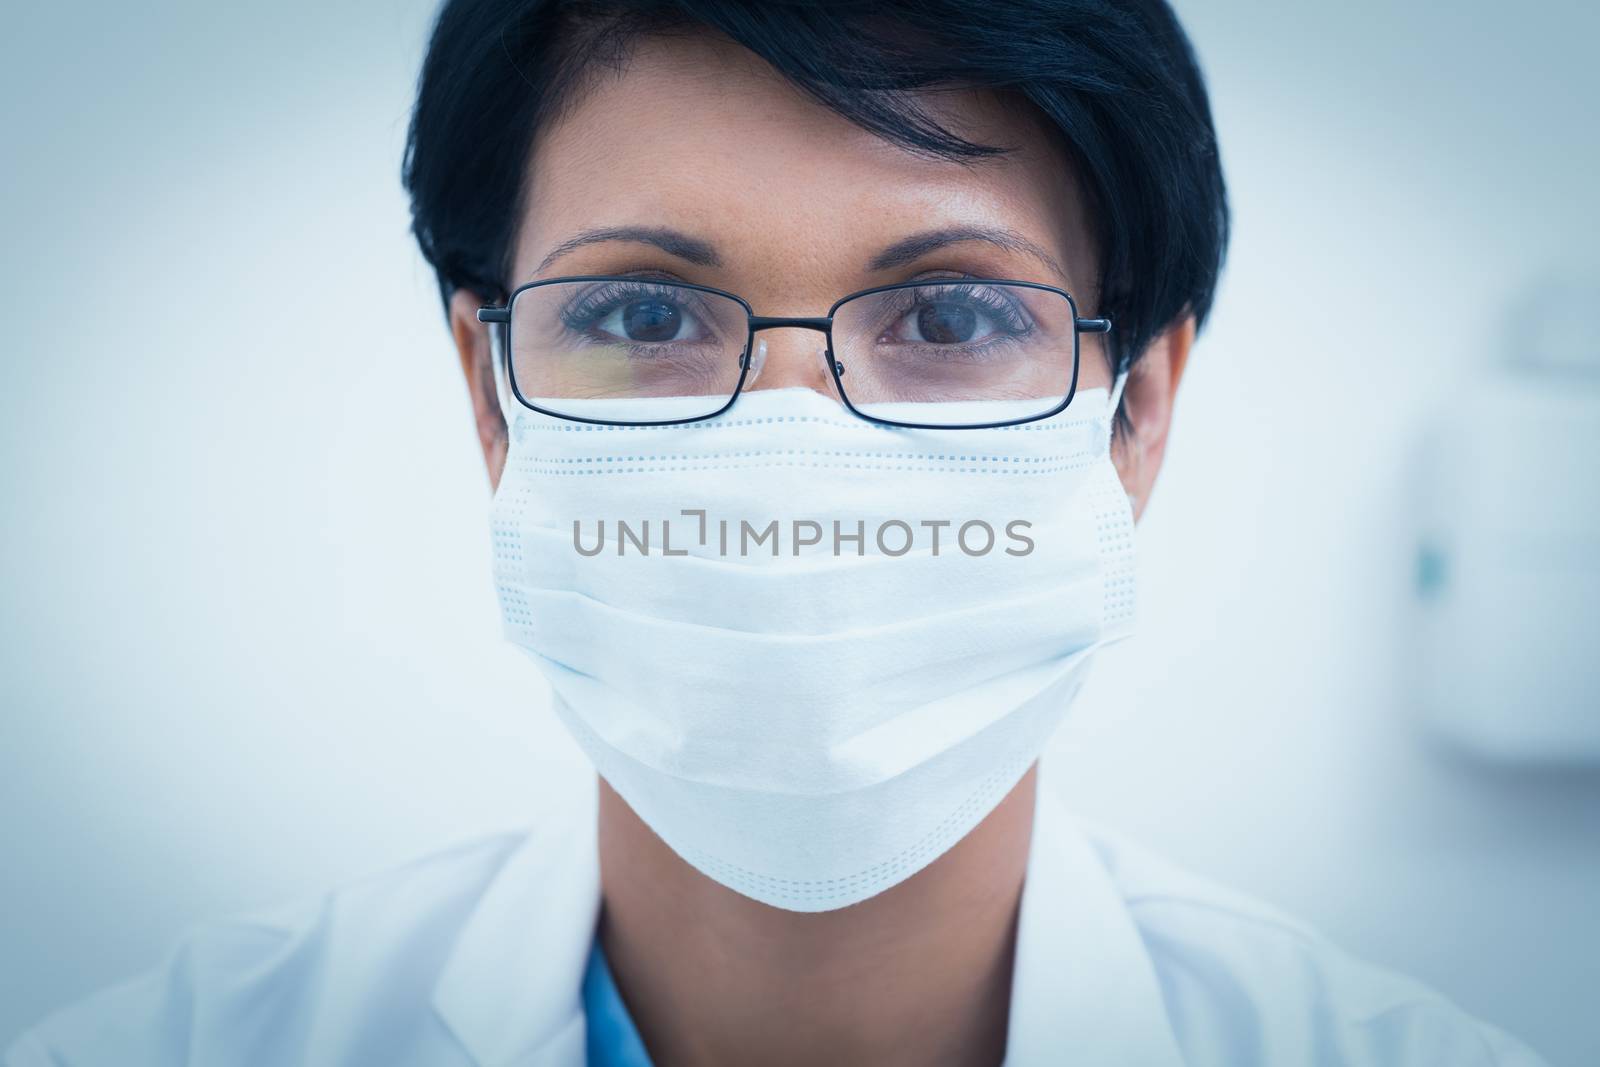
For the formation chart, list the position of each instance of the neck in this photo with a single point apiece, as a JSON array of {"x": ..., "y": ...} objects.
[{"x": 919, "y": 974}]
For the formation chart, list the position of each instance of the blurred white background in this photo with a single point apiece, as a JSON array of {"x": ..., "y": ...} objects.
[{"x": 248, "y": 641}]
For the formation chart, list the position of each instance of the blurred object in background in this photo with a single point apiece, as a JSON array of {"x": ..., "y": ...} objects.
[{"x": 1508, "y": 564}]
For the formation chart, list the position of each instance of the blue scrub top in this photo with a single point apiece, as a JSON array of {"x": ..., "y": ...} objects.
[{"x": 613, "y": 1039}]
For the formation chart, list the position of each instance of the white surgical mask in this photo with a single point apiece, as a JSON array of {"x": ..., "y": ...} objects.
[{"x": 775, "y": 664}]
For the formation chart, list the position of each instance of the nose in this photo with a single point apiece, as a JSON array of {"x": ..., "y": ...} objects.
[{"x": 782, "y": 358}]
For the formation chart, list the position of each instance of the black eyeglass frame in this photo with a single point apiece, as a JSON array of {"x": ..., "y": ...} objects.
[{"x": 500, "y": 315}]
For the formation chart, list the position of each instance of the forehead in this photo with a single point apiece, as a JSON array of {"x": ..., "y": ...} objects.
[{"x": 699, "y": 134}]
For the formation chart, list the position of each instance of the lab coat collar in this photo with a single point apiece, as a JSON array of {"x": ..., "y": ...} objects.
[
  {"x": 511, "y": 991},
  {"x": 1082, "y": 987}
]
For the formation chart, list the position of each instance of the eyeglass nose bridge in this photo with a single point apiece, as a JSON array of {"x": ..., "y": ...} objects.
[
  {"x": 823, "y": 324},
  {"x": 755, "y": 354}
]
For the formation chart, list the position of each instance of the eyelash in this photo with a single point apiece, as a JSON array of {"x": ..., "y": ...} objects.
[
  {"x": 583, "y": 311},
  {"x": 1005, "y": 310}
]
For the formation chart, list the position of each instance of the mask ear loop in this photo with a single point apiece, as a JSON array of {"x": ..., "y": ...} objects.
[
  {"x": 502, "y": 375},
  {"x": 1116, "y": 395},
  {"x": 1112, "y": 403}
]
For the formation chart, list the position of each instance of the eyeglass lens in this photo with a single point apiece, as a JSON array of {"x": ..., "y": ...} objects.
[{"x": 936, "y": 353}]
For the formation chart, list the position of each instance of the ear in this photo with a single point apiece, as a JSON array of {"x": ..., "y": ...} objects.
[
  {"x": 1146, "y": 412},
  {"x": 472, "y": 344}
]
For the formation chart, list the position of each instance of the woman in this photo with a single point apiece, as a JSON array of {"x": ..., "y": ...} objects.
[{"x": 822, "y": 358}]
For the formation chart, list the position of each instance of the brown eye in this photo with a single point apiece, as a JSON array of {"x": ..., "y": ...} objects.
[
  {"x": 946, "y": 323},
  {"x": 651, "y": 320}
]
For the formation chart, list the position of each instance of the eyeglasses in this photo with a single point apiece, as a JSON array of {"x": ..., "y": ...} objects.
[{"x": 637, "y": 351}]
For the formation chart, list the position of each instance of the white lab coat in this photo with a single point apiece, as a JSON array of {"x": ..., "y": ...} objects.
[{"x": 473, "y": 958}]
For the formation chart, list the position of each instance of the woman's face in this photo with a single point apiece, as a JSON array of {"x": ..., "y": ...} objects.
[{"x": 749, "y": 186}]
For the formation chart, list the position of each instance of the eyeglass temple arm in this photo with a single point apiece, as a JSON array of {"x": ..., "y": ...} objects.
[
  {"x": 1084, "y": 325},
  {"x": 488, "y": 314}
]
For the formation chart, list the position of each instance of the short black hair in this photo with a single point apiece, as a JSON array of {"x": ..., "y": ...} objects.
[{"x": 1117, "y": 78}]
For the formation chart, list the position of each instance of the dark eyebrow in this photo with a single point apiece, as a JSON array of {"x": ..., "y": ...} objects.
[
  {"x": 917, "y": 245},
  {"x": 671, "y": 241}
]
